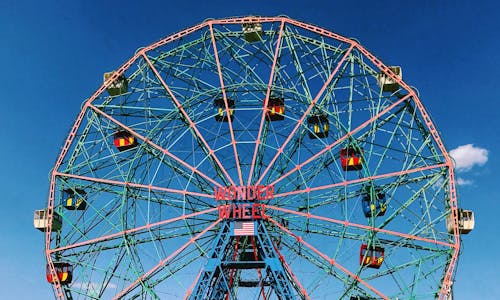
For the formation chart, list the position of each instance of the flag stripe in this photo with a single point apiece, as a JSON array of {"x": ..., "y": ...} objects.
[{"x": 244, "y": 228}]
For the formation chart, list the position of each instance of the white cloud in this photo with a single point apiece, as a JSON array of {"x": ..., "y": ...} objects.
[
  {"x": 468, "y": 156},
  {"x": 462, "y": 181}
]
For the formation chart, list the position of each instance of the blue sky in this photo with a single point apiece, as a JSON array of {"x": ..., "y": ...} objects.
[{"x": 53, "y": 54}]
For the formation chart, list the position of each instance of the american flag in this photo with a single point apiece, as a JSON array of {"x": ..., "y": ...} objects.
[{"x": 244, "y": 228}]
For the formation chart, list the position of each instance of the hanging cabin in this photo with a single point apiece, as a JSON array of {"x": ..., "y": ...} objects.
[
  {"x": 74, "y": 199},
  {"x": 252, "y": 32},
  {"x": 117, "y": 87},
  {"x": 64, "y": 272},
  {"x": 124, "y": 140},
  {"x": 373, "y": 202},
  {"x": 275, "y": 109},
  {"x": 318, "y": 126},
  {"x": 359, "y": 298},
  {"x": 465, "y": 221},
  {"x": 371, "y": 257},
  {"x": 41, "y": 220},
  {"x": 351, "y": 159},
  {"x": 220, "y": 108},
  {"x": 386, "y": 82}
]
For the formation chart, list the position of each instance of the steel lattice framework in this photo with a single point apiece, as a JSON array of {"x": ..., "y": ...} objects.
[{"x": 152, "y": 226}]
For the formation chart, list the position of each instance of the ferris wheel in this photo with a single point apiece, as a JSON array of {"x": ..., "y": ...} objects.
[{"x": 253, "y": 158}]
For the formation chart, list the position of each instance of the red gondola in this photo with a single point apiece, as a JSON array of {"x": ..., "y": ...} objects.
[
  {"x": 124, "y": 140},
  {"x": 351, "y": 159},
  {"x": 372, "y": 257},
  {"x": 64, "y": 272},
  {"x": 275, "y": 109}
]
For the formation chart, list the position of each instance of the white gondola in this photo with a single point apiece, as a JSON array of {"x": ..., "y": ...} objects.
[
  {"x": 117, "y": 87},
  {"x": 41, "y": 220},
  {"x": 387, "y": 83},
  {"x": 252, "y": 32},
  {"x": 465, "y": 221}
]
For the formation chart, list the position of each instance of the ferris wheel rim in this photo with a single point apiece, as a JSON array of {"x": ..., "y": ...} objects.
[{"x": 142, "y": 54}]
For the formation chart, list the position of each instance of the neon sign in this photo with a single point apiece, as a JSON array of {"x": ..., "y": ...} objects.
[
  {"x": 244, "y": 201},
  {"x": 244, "y": 193}
]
